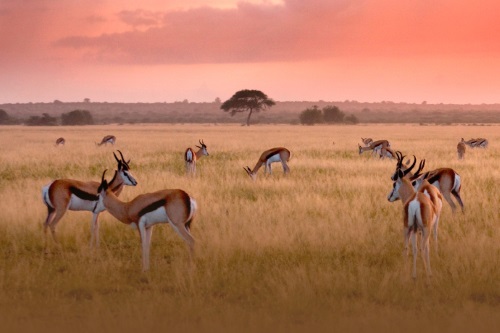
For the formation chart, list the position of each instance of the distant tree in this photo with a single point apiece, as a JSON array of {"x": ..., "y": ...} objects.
[
  {"x": 247, "y": 100},
  {"x": 77, "y": 117},
  {"x": 311, "y": 116},
  {"x": 352, "y": 119},
  {"x": 44, "y": 120},
  {"x": 332, "y": 114},
  {"x": 4, "y": 117}
]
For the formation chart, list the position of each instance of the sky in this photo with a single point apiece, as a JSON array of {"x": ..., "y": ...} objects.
[{"x": 438, "y": 51}]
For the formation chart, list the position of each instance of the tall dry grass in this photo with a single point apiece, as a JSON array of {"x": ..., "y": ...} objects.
[{"x": 321, "y": 249}]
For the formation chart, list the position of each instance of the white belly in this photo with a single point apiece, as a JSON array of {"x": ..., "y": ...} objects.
[
  {"x": 274, "y": 158},
  {"x": 159, "y": 215},
  {"x": 76, "y": 203}
]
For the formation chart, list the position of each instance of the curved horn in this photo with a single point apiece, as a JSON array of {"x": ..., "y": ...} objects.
[
  {"x": 103, "y": 174},
  {"x": 123, "y": 159},
  {"x": 201, "y": 143},
  {"x": 116, "y": 158},
  {"x": 420, "y": 168},
  {"x": 407, "y": 170}
]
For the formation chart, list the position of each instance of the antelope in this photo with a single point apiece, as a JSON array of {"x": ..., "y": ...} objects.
[
  {"x": 172, "y": 206},
  {"x": 278, "y": 154},
  {"x": 461, "y": 150},
  {"x": 422, "y": 185},
  {"x": 375, "y": 147},
  {"x": 190, "y": 157},
  {"x": 60, "y": 141},
  {"x": 63, "y": 194},
  {"x": 476, "y": 143},
  {"x": 107, "y": 139},
  {"x": 419, "y": 214},
  {"x": 447, "y": 180}
]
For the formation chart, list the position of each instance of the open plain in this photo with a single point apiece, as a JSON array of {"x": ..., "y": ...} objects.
[{"x": 318, "y": 250}]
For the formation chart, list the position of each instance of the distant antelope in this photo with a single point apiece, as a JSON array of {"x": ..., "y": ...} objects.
[
  {"x": 190, "y": 157},
  {"x": 60, "y": 142},
  {"x": 279, "y": 154},
  {"x": 447, "y": 180},
  {"x": 107, "y": 139},
  {"x": 421, "y": 185},
  {"x": 419, "y": 214},
  {"x": 174, "y": 207},
  {"x": 476, "y": 143},
  {"x": 375, "y": 147},
  {"x": 461, "y": 150},
  {"x": 63, "y": 194}
]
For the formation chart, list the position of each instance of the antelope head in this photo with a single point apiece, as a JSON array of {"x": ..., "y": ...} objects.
[
  {"x": 203, "y": 147},
  {"x": 123, "y": 169},
  {"x": 250, "y": 173}
]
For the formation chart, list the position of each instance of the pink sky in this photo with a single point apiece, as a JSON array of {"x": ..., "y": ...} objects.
[{"x": 163, "y": 51}]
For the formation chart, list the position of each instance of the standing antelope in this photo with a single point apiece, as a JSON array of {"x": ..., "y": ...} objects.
[
  {"x": 375, "y": 147},
  {"x": 63, "y": 194},
  {"x": 447, "y": 180},
  {"x": 278, "y": 154},
  {"x": 461, "y": 150},
  {"x": 107, "y": 139},
  {"x": 421, "y": 185},
  {"x": 419, "y": 214},
  {"x": 476, "y": 143},
  {"x": 190, "y": 157},
  {"x": 60, "y": 141},
  {"x": 174, "y": 207}
]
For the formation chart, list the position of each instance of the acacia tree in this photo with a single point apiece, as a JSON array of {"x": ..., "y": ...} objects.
[{"x": 247, "y": 100}]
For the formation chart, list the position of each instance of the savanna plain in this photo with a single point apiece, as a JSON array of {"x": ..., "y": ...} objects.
[{"x": 320, "y": 249}]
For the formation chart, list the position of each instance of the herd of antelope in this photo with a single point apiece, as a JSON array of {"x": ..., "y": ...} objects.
[{"x": 421, "y": 194}]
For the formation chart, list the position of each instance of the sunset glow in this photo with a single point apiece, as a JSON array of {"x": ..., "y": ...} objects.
[{"x": 366, "y": 50}]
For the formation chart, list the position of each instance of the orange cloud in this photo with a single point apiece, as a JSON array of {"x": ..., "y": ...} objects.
[{"x": 297, "y": 30}]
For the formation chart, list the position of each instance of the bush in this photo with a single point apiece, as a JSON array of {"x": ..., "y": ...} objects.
[
  {"x": 311, "y": 116},
  {"x": 44, "y": 120},
  {"x": 332, "y": 114},
  {"x": 77, "y": 117}
]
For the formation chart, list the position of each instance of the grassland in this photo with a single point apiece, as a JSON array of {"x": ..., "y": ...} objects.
[{"x": 319, "y": 250}]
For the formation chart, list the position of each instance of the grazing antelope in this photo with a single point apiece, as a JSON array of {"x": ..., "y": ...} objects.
[
  {"x": 278, "y": 154},
  {"x": 422, "y": 185},
  {"x": 174, "y": 207},
  {"x": 419, "y": 214},
  {"x": 461, "y": 150},
  {"x": 447, "y": 180},
  {"x": 476, "y": 143},
  {"x": 63, "y": 194},
  {"x": 190, "y": 157},
  {"x": 107, "y": 139},
  {"x": 60, "y": 141},
  {"x": 375, "y": 147}
]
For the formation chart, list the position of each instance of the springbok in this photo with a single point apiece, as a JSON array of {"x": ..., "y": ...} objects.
[
  {"x": 419, "y": 214},
  {"x": 421, "y": 185},
  {"x": 63, "y": 194},
  {"x": 461, "y": 150},
  {"x": 172, "y": 206},
  {"x": 60, "y": 142},
  {"x": 190, "y": 157},
  {"x": 107, "y": 139},
  {"x": 447, "y": 180},
  {"x": 278, "y": 154},
  {"x": 476, "y": 143},
  {"x": 375, "y": 147}
]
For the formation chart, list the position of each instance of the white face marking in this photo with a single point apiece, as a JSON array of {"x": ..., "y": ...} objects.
[
  {"x": 127, "y": 177},
  {"x": 394, "y": 195}
]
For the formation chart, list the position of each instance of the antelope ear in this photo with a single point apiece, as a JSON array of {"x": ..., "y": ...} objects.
[{"x": 198, "y": 146}]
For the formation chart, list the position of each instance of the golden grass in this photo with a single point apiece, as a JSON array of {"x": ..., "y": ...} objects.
[{"x": 320, "y": 250}]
